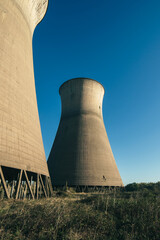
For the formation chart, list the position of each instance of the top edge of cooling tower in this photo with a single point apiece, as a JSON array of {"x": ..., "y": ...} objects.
[
  {"x": 81, "y": 79},
  {"x": 33, "y": 11}
]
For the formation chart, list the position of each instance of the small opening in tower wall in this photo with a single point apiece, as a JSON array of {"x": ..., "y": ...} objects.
[
  {"x": 99, "y": 107},
  {"x": 104, "y": 178}
]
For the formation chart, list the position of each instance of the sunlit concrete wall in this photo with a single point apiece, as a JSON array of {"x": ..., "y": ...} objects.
[
  {"x": 21, "y": 143},
  {"x": 81, "y": 153}
]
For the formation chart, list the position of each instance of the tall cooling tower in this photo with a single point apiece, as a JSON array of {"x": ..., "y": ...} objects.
[
  {"x": 81, "y": 154},
  {"x": 22, "y": 156}
]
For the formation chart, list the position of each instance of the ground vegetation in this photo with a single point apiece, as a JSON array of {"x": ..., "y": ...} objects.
[{"x": 130, "y": 213}]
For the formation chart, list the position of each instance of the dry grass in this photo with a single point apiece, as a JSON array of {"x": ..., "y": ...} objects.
[{"x": 72, "y": 216}]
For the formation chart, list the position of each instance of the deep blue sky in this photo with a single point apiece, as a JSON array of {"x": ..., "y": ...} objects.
[{"x": 116, "y": 42}]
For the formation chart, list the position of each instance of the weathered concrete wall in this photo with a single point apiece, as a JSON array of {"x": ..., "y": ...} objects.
[
  {"x": 32, "y": 10},
  {"x": 81, "y": 153},
  {"x": 21, "y": 143}
]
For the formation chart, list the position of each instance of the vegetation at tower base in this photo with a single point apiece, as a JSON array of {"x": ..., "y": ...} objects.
[{"x": 114, "y": 214}]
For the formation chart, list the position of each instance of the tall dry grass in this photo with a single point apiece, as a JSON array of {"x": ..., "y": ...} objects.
[{"x": 112, "y": 215}]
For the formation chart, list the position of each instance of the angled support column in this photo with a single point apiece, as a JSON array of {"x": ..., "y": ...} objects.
[
  {"x": 4, "y": 183},
  {"x": 19, "y": 183},
  {"x": 29, "y": 186},
  {"x": 50, "y": 186},
  {"x": 43, "y": 185},
  {"x": 47, "y": 186},
  {"x": 37, "y": 186},
  {"x": 25, "y": 192},
  {"x": 12, "y": 189}
]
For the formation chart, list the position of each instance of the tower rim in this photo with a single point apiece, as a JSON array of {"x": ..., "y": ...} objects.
[
  {"x": 33, "y": 12},
  {"x": 82, "y": 78}
]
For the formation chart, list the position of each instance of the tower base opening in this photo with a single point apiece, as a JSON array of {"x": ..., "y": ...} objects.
[{"x": 23, "y": 184}]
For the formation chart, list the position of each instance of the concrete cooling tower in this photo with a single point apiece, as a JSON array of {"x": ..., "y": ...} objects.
[
  {"x": 22, "y": 157},
  {"x": 81, "y": 154}
]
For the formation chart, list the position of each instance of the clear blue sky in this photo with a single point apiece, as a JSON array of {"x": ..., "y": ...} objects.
[{"x": 116, "y": 42}]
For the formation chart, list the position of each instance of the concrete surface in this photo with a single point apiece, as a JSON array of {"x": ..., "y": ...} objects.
[
  {"x": 81, "y": 154},
  {"x": 21, "y": 143}
]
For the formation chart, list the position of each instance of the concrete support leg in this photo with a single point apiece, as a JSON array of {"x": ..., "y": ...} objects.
[
  {"x": 4, "y": 183},
  {"x": 28, "y": 184},
  {"x": 19, "y": 183}
]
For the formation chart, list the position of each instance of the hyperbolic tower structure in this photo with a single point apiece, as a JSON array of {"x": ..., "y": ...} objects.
[
  {"x": 81, "y": 154},
  {"x": 21, "y": 147}
]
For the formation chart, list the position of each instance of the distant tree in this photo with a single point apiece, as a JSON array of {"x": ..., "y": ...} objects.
[{"x": 132, "y": 187}]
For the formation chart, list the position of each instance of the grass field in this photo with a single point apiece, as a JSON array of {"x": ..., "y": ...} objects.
[{"x": 115, "y": 214}]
